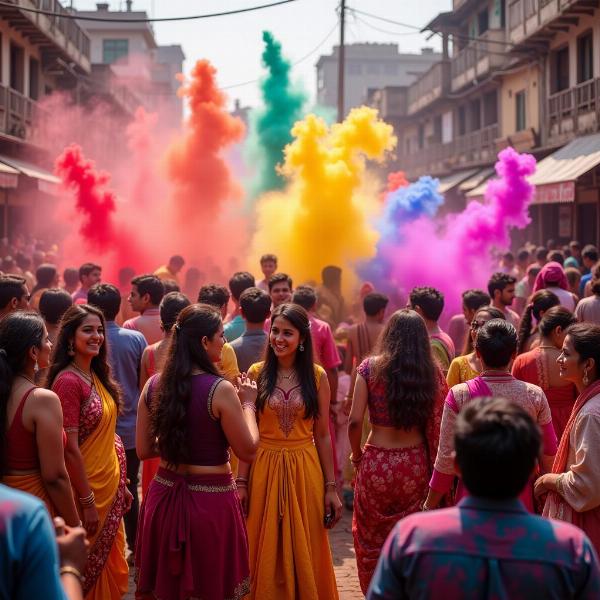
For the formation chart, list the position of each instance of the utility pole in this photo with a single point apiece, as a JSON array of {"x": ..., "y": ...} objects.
[{"x": 341, "y": 63}]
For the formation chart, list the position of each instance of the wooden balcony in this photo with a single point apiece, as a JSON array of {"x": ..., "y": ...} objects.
[
  {"x": 105, "y": 84},
  {"x": 58, "y": 35},
  {"x": 534, "y": 21},
  {"x": 430, "y": 86},
  {"x": 20, "y": 116},
  {"x": 478, "y": 59},
  {"x": 574, "y": 112},
  {"x": 477, "y": 148}
]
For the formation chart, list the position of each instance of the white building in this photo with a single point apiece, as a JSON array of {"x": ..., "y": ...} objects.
[
  {"x": 369, "y": 66},
  {"x": 130, "y": 51}
]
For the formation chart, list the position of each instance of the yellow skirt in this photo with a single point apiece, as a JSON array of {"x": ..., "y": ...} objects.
[
  {"x": 290, "y": 557},
  {"x": 32, "y": 484}
]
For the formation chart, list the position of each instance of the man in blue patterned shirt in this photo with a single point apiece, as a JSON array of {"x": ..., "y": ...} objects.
[{"x": 488, "y": 546}]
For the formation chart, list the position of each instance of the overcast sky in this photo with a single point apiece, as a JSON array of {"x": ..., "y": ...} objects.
[{"x": 233, "y": 43}]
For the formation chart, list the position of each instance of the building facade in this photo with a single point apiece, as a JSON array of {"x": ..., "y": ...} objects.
[
  {"x": 368, "y": 66},
  {"x": 520, "y": 73}
]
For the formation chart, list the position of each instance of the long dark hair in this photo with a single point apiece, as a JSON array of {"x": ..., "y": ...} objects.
[
  {"x": 19, "y": 332},
  {"x": 406, "y": 367},
  {"x": 60, "y": 360},
  {"x": 495, "y": 313},
  {"x": 185, "y": 353},
  {"x": 557, "y": 316},
  {"x": 542, "y": 300},
  {"x": 303, "y": 362}
]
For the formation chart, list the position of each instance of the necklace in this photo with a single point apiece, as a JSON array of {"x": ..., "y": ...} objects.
[
  {"x": 28, "y": 379},
  {"x": 291, "y": 375},
  {"x": 547, "y": 347},
  {"x": 87, "y": 376},
  {"x": 492, "y": 372}
]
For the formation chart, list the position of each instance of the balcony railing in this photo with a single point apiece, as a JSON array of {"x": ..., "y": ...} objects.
[
  {"x": 575, "y": 111},
  {"x": 478, "y": 59},
  {"x": 527, "y": 17},
  {"x": 19, "y": 115},
  {"x": 430, "y": 86},
  {"x": 473, "y": 149},
  {"x": 63, "y": 31}
]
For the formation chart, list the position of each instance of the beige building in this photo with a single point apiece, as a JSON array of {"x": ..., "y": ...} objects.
[{"x": 521, "y": 73}]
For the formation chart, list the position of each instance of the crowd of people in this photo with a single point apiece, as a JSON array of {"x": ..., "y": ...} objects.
[{"x": 210, "y": 433}]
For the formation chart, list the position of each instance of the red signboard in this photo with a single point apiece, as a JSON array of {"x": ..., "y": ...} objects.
[{"x": 555, "y": 193}]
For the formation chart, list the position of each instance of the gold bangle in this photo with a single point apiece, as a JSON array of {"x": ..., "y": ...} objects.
[
  {"x": 331, "y": 484},
  {"x": 68, "y": 570}
]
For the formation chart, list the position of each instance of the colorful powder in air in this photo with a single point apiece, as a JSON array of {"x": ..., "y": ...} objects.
[
  {"x": 100, "y": 237},
  {"x": 402, "y": 206},
  {"x": 395, "y": 180},
  {"x": 456, "y": 254},
  {"x": 270, "y": 126},
  {"x": 323, "y": 216},
  {"x": 201, "y": 178}
]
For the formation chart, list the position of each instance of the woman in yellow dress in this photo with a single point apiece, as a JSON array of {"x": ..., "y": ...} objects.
[
  {"x": 289, "y": 492},
  {"x": 466, "y": 367}
]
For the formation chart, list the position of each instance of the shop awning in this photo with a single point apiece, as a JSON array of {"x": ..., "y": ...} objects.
[
  {"x": 476, "y": 180},
  {"x": 46, "y": 181},
  {"x": 556, "y": 174},
  {"x": 451, "y": 181},
  {"x": 9, "y": 177}
]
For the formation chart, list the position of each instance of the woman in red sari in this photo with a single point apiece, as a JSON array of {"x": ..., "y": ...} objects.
[
  {"x": 404, "y": 390},
  {"x": 95, "y": 457},
  {"x": 574, "y": 483},
  {"x": 539, "y": 366}
]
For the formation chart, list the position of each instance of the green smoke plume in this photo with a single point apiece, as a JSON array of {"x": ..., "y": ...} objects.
[{"x": 270, "y": 126}]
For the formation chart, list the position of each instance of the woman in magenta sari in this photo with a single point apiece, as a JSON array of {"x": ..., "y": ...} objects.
[
  {"x": 496, "y": 346},
  {"x": 574, "y": 483},
  {"x": 539, "y": 366},
  {"x": 404, "y": 389}
]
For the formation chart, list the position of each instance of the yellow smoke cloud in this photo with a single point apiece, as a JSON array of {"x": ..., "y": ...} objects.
[{"x": 322, "y": 217}]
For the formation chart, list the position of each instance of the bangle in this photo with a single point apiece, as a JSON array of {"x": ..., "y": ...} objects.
[
  {"x": 89, "y": 500},
  {"x": 68, "y": 570},
  {"x": 559, "y": 480},
  {"x": 355, "y": 461},
  {"x": 331, "y": 484}
]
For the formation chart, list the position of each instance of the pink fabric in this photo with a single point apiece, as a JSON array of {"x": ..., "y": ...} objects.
[
  {"x": 551, "y": 273},
  {"x": 441, "y": 482},
  {"x": 550, "y": 443},
  {"x": 446, "y": 340},
  {"x": 326, "y": 352}
]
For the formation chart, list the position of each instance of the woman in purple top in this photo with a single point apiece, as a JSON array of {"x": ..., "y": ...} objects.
[
  {"x": 192, "y": 538},
  {"x": 404, "y": 389}
]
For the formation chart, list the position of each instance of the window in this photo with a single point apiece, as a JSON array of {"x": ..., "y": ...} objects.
[
  {"x": 437, "y": 129},
  {"x": 475, "y": 110},
  {"x": 490, "y": 109},
  {"x": 585, "y": 57},
  {"x": 34, "y": 79},
  {"x": 482, "y": 21},
  {"x": 113, "y": 50},
  {"x": 17, "y": 67},
  {"x": 521, "y": 123},
  {"x": 559, "y": 69},
  {"x": 421, "y": 137},
  {"x": 372, "y": 68},
  {"x": 462, "y": 120}
]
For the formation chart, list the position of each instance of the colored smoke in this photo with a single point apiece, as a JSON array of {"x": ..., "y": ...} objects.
[
  {"x": 196, "y": 166},
  {"x": 323, "y": 215},
  {"x": 395, "y": 180},
  {"x": 402, "y": 206},
  {"x": 94, "y": 210},
  {"x": 456, "y": 254},
  {"x": 271, "y": 126}
]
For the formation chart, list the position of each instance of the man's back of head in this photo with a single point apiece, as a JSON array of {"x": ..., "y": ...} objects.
[{"x": 255, "y": 305}]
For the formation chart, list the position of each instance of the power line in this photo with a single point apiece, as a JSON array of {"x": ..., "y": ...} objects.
[
  {"x": 78, "y": 17},
  {"x": 394, "y": 33},
  {"x": 295, "y": 63}
]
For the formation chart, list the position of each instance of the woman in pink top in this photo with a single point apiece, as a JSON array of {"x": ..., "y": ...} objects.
[
  {"x": 403, "y": 388},
  {"x": 496, "y": 346}
]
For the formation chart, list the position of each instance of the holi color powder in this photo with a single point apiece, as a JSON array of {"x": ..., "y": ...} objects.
[
  {"x": 323, "y": 216},
  {"x": 100, "y": 238},
  {"x": 271, "y": 125},
  {"x": 201, "y": 178},
  {"x": 395, "y": 180},
  {"x": 402, "y": 205},
  {"x": 456, "y": 254}
]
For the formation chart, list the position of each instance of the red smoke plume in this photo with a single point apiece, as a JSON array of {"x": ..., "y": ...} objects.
[{"x": 396, "y": 180}]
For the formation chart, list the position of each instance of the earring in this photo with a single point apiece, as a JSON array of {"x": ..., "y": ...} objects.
[
  {"x": 71, "y": 349},
  {"x": 586, "y": 381},
  {"x": 301, "y": 347}
]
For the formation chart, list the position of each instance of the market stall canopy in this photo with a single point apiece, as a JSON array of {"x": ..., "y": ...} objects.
[{"x": 46, "y": 181}]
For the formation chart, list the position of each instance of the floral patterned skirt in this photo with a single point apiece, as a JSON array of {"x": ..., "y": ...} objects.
[{"x": 391, "y": 483}]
